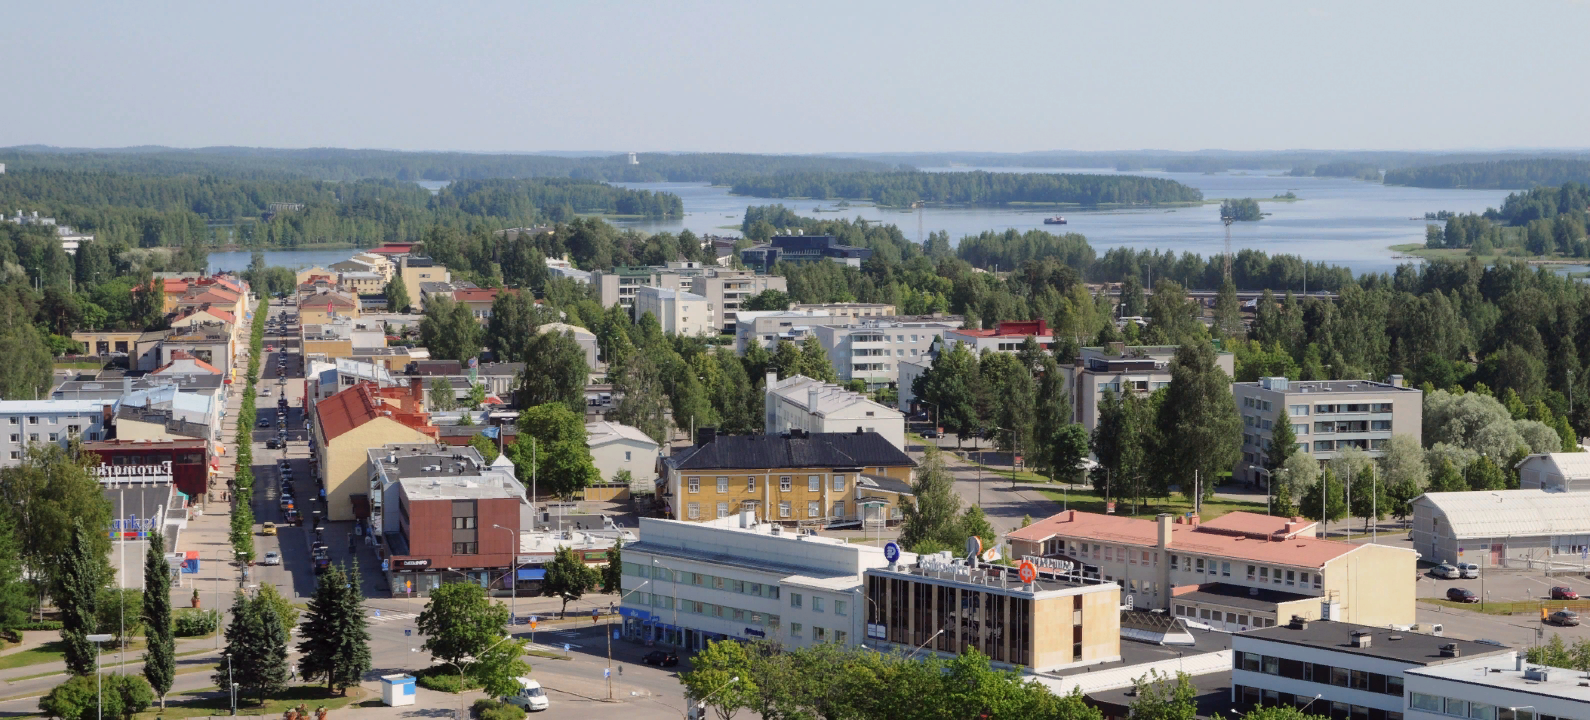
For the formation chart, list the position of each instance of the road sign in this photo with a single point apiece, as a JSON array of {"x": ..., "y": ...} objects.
[
  {"x": 565, "y": 647},
  {"x": 408, "y": 632},
  {"x": 1109, "y": 507},
  {"x": 891, "y": 552},
  {"x": 378, "y": 613},
  {"x": 607, "y": 672},
  {"x": 1028, "y": 572}
]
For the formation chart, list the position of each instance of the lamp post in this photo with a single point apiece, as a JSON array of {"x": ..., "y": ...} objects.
[
  {"x": 924, "y": 643},
  {"x": 99, "y": 684},
  {"x": 703, "y": 704},
  {"x": 1267, "y": 482},
  {"x": 513, "y": 577}
]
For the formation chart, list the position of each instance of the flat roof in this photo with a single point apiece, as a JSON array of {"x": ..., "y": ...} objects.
[
  {"x": 987, "y": 577},
  {"x": 1241, "y": 597},
  {"x": 1405, "y": 646},
  {"x": 1491, "y": 671},
  {"x": 406, "y": 461},
  {"x": 1332, "y": 386},
  {"x": 460, "y": 487},
  {"x": 736, "y": 561}
]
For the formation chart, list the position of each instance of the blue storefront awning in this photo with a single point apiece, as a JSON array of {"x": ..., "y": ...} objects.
[{"x": 532, "y": 574}]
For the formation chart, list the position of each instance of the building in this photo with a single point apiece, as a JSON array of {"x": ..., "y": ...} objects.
[
  {"x": 208, "y": 343},
  {"x": 326, "y": 305},
  {"x": 366, "y": 282},
  {"x": 801, "y": 403},
  {"x": 1056, "y": 622},
  {"x": 723, "y": 289},
  {"x": 183, "y": 364},
  {"x": 798, "y": 478},
  {"x": 1326, "y": 415},
  {"x": 1500, "y": 685},
  {"x": 871, "y": 350},
  {"x": 679, "y": 312},
  {"x": 1118, "y": 368},
  {"x": 687, "y": 584},
  {"x": 1339, "y": 669},
  {"x": 107, "y": 342},
  {"x": 187, "y": 465},
  {"x": 307, "y": 275},
  {"x": 768, "y": 327},
  {"x": 1503, "y": 528},
  {"x": 479, "y": 300},
  {"x": 325, "y": 379},
  {"x": 1555, "y": 472},
  {"x": 348, "y": 424},
  {"x": 204, "y": 315},
  {"x": 111, "y": 385},
  {"x": 339, "y": 337},
  {"x": 582, "y": 337},
  {"x": 854, "y": 311},
  {"x": 563, "y": 268},
  {"x": 1236, "y": 572},
  {"x": 30, "y": 422},
  {"x": 616, "y": 447},
  {"x": 166, "y": 413},
  {"x": 1007, "y": 337},
  {"x": 501, "y": 379},
  {"x": 802, "y": 249},
  {"x": 443, "y": 512}
]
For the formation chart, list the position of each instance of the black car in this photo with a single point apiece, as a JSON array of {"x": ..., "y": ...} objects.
[
  {"x": 660, "y": 659},
  {"x": 263, "y": 422},
  {"x": 1463, "y": 595},
  {"x": 273, "y": 444}
]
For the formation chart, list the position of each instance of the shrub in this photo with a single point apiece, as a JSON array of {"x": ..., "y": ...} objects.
[
  {"x": 503, "y": 711},
  {"x": 440, "y": 683},
  {"x": 40, "y": 625},
  {"x": 482, "y": 705},
  {"x": 188, "y": 622}
]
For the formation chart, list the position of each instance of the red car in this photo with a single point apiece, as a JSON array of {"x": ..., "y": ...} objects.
[{"x": 1564, "y": 593}]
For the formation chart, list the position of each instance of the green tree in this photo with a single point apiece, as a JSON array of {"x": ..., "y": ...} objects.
[
  {"x": 1325, "y": 501},
  {"x": 561, "y": 372},
  {"x": 767, "y": 300},
  {"x": 1283, "y": 443},
  {"x": 1446, "y": 478},
  {"x": 1553, "y": 654},
  {"x": 1370, "y": 497},
  {"x": 477, "y": 396},
  {"x": 336, "y": 636},
  {"x": 814, "y": 361},
  {"x": 77, "y": 595},
  {"x": 1162, "y": 698},
  {"x": 485, "y": 446},
  {"x": 397, "y": 295},
  {"x": 121, "y": 612},
  {"x": 613, "y": 571},
  {"x": 637, "y": 384},
  {"x": 43, "y": 497},
  {"x": 1482, "y": 474},
  {"x": 1067, "y": 451},
  {"x": 1174, "y": 320},
  {"x": 1228, "y": 312},
  {"x": 160, "y": 664},
  {"x": 450, "y": 330},
  {"x": 1199, "y": 429},
  {"x": 84, "y": 697},
  {"x": 242, "y": 531},
  {"x": 286, "y": 613},
  {"x": 1281, "y": 713},
  {"x": 256, "y": 644},
  {"x": 974, "y": 523},
  {"x": 568, "y": 577},
  {"x": 930, "y": 513},
  {"x": 460, "y": 622},
  {"x": 952, "y": 386},
  {"x": 551, "y": 448},
  {"x": 722, "y": 677},
  {"x": 441, "y": 395}
]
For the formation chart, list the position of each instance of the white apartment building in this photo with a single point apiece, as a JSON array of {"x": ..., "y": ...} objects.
[
  {"x": 616, "y": 447},
  {"x": 679, "y": 312},
  {"x": 872, "y": 350},
  {"x": 768, "y": 327},
  {"x": 1141, "y": 369},
  {"x": 1497, "y": 685},
  {"x": 802, "y": 403},
  {"x": 26, "y": 422},
  {"x": 854, "y": 311},
  {"x": 688, "y": 583},
  {"x": 1008, "y": 337},
  {"x": 329, "y": 377},
  {"x": 723, "y": 289},
  {"x": 1326, "y": 416}
]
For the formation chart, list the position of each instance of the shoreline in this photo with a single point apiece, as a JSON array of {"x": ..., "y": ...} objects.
[{"x": 1418, "y": 250}]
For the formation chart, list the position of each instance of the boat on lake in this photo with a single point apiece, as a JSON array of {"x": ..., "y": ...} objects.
[{"x": 1056, "y": 220}]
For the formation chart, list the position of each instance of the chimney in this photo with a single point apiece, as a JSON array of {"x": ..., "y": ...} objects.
[
  {"x": 705, "y": 436},
  {"x": 1298, "y": 623},
  {"x": 1165, "y": 524},
  {"x": 417, "y": 388},
  {"x": 811, "y": 399},
  {"x": 1361, "y": 639},
  {"x": 1395, "y": 381},
  {"x": 1071, "y": 515}
]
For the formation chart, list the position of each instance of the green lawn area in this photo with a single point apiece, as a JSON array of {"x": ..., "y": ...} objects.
[
  {"x": 79, "y": 365},
  {"x": 192, "y": 704},
  {"x": 1082, "y": 497},
  {"x": 48, "y": 652}
]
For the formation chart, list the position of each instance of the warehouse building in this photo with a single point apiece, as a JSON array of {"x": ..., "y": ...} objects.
[{"x": 1534, "y": 529}]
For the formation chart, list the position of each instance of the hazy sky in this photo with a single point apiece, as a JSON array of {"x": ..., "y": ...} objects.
[{"x": 799, "y": 77}]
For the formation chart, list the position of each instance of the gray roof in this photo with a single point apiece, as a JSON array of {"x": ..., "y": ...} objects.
[
  {"x": 1517, "y": 513},
  {"x": 804, "y": 450},
  {"x": 887, "y": 484},
  {"x": 1241, "y": 597},
  {"x": 1410, "y": 647}
]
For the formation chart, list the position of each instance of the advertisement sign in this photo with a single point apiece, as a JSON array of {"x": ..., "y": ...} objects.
[
  {"x": 410, "y": 563},
  {"x": 891, "y": 552},
  {"x": 876, "y": 630},
  {"x": 1028, "y": 572},
  {"x": 135, "y": 472}
]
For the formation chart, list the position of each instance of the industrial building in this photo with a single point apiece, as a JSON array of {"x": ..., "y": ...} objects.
[{"x": 1534, "y": 529}]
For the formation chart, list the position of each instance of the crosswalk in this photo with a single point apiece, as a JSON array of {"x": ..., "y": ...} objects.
[{"x": 382, "y": 617}]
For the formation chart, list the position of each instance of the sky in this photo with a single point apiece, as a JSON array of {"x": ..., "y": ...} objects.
[{"x": 798, "y": 77}]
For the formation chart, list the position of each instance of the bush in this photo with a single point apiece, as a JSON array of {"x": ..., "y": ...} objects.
[
  {"x": 440, "y": 683},
  {"x": 188, "y": 622},
  {"x": 482, "y": 705},
  {"x": 79, "y": 697},
  {"x": 40, "y": 625},
  {"x": 503, "y": 711}
]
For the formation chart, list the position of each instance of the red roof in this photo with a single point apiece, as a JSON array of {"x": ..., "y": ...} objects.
[
  {"x": 327, "y": 300},
  {"x": 1011, "y": 329},
  {"x": 393, "y": 249},
  {"x": 175, "y": 285},
  {"x": 485, "y": 295},
  {"x": 363, "y": 402},
  {"x": 1295, "y": 551},
  {"x": 183, "y": 355},
  {"x": 209, "y": 295}
]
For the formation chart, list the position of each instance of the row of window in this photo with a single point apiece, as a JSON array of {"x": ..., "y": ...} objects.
[
  {"x": 43, "y": 420},
  {"x": 1349, "y": 426},
  {"x": 1256, "y": 403},
  {"x": 1256, "y": 573},
  {"x": 1474, "y": 710},
  {"x": 796, "y": 601},
  {"x": 54, "y": 437},
  {"x": 814, "y": 483},
  {"x": 1329, "y": 445},
  {"x": 785, "y": 509},
  {"x": 696, "y": 607},
  {"x": 819, "y": 635},
  {"x": 1138, "y": 385},
  {"x": 1254, "y": 421},
  {"x": 1319, "y": 673},
  {"x": 1230, "y": 618},
  {"x": 1352, "y": 408},
  {"x": 702, "y": 580},
  {"x": 1250, "y": 697}
]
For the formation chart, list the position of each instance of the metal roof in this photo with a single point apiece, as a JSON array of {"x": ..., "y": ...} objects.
[
  {"x": 1524, "y": 513},
  {"x": 806, "y": 450},
  {"x": 1574, "y": 466}
]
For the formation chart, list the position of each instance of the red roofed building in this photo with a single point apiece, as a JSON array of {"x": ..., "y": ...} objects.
[
  {"x": 1006, "y": 338},
  {"x": 393, "y": 249},
  {"x": 348, "y": 424},
  {"x": 479, "y": 300},
  {"x": 184, "y": 364},
  {"x": 1240, "y": 571}
]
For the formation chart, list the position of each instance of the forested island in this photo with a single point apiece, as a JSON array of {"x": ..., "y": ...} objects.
[
  {"x": 1499, "y": 174},
  {"x": 1345, "y": 168},
  {"x": 1541, "y": 222},
  {"x": 901, "y": 189},
  {"x": 1241, "y": 210}
]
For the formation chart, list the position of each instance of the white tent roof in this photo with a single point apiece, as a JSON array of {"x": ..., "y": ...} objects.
[
  {"x": 1524, "y": 513},
  {"x": 1569, "y": 465}
]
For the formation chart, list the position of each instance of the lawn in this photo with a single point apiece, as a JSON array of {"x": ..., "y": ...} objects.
[
  {"x": 1522, "y": 607},
  {"x": 53, "y": 651},
  {"x": 210, "y": 701},
  {"x": 1084, "y": 498}
]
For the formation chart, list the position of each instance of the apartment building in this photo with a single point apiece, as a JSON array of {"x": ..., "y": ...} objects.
[
  {"x": 339, "y": 337},
  {"x": 1326, "y": 416},
  {"x": 723, "y": 289},
  {"x": 872, "y": 350},
  {"x": 324, "y": 304},
  {"x": 802, "y": 403},
  {"x": 798, "y": 478},
  {"x": 679, "y": 312},
  {"x": 615, "y": 447},
  {"x": 854, "y": 311},
  {"x": 802, "y": 249},
  {"x": 690, "y": 583},
  {"x": 1007, "y": 337},
  {"x": 367, "y": 282},
  {"x": 500, "y": 379},
  {"x": 768, "y": 327},
  {"x": 417, "y": 270},
  {"x": 1236, "y": 572},
  {"x": 1341, "y": 669},
  {"x": 167, "y": 413},
  {"x": 347, "y": 425},
  {"x": 1141, "y": 369},
  {"x": 31, "y": 422},
  {"x": 327, "y": 378}
]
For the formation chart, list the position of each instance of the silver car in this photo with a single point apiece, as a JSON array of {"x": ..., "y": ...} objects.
[
  {"x": 1469, "y": 570},
  {"x": 272, "y": 558},
  {"x": 1447, "y": 571}
]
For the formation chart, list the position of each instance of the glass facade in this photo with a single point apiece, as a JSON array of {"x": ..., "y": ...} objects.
[{"x": 995, "y": 624}]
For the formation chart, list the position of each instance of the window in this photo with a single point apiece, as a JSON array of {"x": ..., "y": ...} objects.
[
  {"x": 694, "y": 513},
  {"x": 695, "y": 484},
  {"x": 463, "y": 523},
  {"x": 783, "y": 483},
  {"x": 1225, "y": 569},
  {"x": 1200, "y": 565},
  {"x": 1318, "y": 579},
  {"x": 723, "y": 485},
  {"x": 821, "y": 635},
  {"x": 814, "y": 483},
  {"x": 1272, "y": 665},
  {"x": 1251, "y": 575},
  {"x": 839, "y": 509},
  {"x": 15, "y": 420},
  {"x": 1299, "y": 428},
  {"x": 1324, "y": 445},
  {"x": 1264, "y": 574},
  {"x": 783, "y": 509},
  {"x": 839, "y": 607},
  {"x": 1456, "y": 707},
  {"x": 1247, "y": 402},
  {"x": 1379, "y": 424},
  {"x": 1173, "y": 562},
  {"x": 1290, "y": 575},
  {"x": 750, "y": 483},
  {"x": 795, "y": 600},
  {"x": 795, "y": 630},
  {"x": 15, "y": 455},
  {"x": 723, "y": 509},
  {"x": 73, "y": 429},
  {"x": 811, "y": 509},
  {"x": 839, "y": 483},
  {"x": 626, "y": 456},
  {"x": 1297, "y": 410},
  {"x": 839, "y": 635},
  {"x": 16, "y": 437},
  {"x": 1481, "y": 711},
  {"x": 1428, "y": 703},
  {"x": 466, "y": 548},
  {"x": 817, "y": 604},
  {"x": 33, "y": 437},
  {"x": 33, "y": 419}
]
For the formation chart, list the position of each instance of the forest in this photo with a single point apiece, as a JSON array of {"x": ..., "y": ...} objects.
[
  {"x": 1342, "y": 168},
  {"x": 1541, "y": 221},
  {"x": 1496, "y": 174},
  {"x": 898, "y": 189},
  {"x": 1241, "y": 210}
]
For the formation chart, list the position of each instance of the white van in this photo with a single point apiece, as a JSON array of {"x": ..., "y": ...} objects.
[{"x": 530, "y": 696}]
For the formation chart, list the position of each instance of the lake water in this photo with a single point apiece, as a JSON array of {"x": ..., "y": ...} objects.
[{"x": 1336, "y": 220}]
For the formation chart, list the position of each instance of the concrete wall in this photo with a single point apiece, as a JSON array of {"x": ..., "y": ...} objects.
[
  {"x": 1375, "y": 585},
  {"x": 642, "y": 462}
]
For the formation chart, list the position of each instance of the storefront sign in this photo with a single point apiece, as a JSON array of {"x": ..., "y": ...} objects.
[
  {"x": 414, "y": 563},
  {"x": 753, "y": 632},
  {"x": 142, "y": 472},
  {"x": 876, "y": 630},
  {"x": 943, "y": 567}
]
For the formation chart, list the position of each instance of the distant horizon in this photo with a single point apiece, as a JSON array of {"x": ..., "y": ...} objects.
[{"x": 34, "y": 147}]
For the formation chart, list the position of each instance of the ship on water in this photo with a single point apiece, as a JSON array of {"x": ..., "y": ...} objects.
[{"x": 1056, "y": 220}]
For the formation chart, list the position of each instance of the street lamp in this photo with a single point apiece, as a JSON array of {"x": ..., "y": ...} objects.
[
  {"x": 1267, "y": 482},
  {"x": 99, "y": 684},
  {"x": 703, "y": 704},
  {"x": 231, "y": 687},
  {"x": 513, "y": 576},
  {"x": 924, "y": 643}
]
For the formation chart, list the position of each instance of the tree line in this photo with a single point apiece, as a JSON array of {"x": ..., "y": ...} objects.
[
  {"x": 1540, "y": 221},
  {"x": 1241, "y": 209},
  {"x": 1497, "y": 174},
  {"x": 903, "y": 188}
]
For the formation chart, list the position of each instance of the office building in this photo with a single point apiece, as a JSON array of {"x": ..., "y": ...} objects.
[
  {"x": 723, "y": 289},
  {"x": 1326, "y": 416},
  {"x": 186, "y": 465},
  {"x": 33, "y": 422},
  {"x": 871, "y": 350},
  {"x": 1056, "y": 622},
  {"x": 1236, "y": 572},
  {"x": 418, "y": 270},
  {"x": 798, "y": 478},
  {"x": 1141, "y": 369},
  {"x": 1342, "y": 670},
  {"x": 801, "y": 403},
  {"x": 347, "y": 425},
  {"x": 1499, "y": 685},
  {"x": 854, "y": 311},
  {"x": 616, "y": 447},
  {"x": 800, "y": 250},
  {"x": 1555, "y": 472},
  {"x": 1503, "y": 528},
  {"x": 677, "y": 311},
  {"x": 690, "y": 583}
]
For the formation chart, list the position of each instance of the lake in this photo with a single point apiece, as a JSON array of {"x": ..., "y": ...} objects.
[{"x": 1336, "y": 220}]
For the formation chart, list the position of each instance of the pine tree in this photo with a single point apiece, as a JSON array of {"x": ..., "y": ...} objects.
[
  {"x": 1228, "y": 312},
  {"x": 336, "y": 645},
  {"x": 77, "y": 596},
  {"x": 256, "y": 643},
  {"x": 160, "y": 663},
  {"x": 1199, "y": 429}
]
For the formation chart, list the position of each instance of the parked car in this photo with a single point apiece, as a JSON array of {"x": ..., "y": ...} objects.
[
  {"x": 1565, "y": 618},
  {"x": 265, "y": 392},
  {"x": 1447, "y": 571},
  {"x": 263, "y": 422},
  {"x": 1469, "y": 570},
  {"x": 268, "y": 529},
  {"x": 1463, "y": 595},
  {"x": 931, "y": 434},
  {"x": 529, "y": 697},
  {"x": 274, "y": 444},
  {"x": 272, "y": 558},
  {"x": 1564, "y": 593},
  {"x": 286, "y": 502},
  {"x": 292, "y": 518},
  {"x": 660, "y": 658}
]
